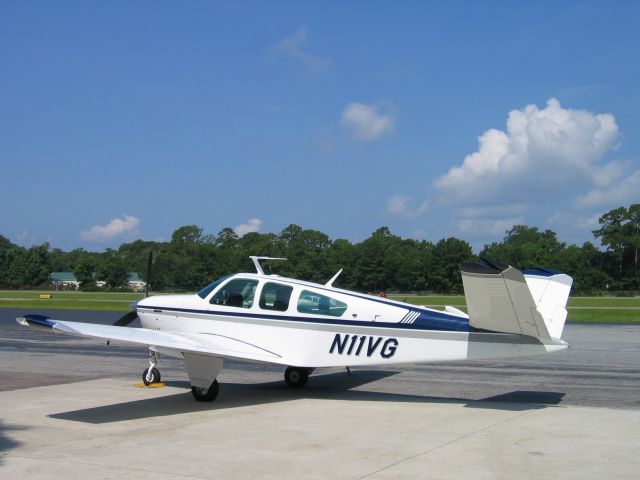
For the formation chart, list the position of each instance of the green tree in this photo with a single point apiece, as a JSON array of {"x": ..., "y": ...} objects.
[
  {"x": 619, "y": 232},
  {"x": 446, "y": 258},
  {"x": 226, "y": 257},
  {"x": 84, "y": 272},
  {"x": 29, "y": 268},
  {"x": 8, "y": 253},
  {"x": 341, "y": 255},
  {"x": 227, "y": 239},
  {"x": 184, "y": 240},
  {"x": 306, "y": 252},
  {"x": 113, "y": 271},
  {"x": 164, "y": 268},
  {"x": 612, "y": 235},
  {"x": 369, "y": 264},
  {"x": 525, "y": 247}
]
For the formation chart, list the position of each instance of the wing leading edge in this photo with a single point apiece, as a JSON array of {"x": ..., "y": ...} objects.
[{"x": 201, "y": 343}]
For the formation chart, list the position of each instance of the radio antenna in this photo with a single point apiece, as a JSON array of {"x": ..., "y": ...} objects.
[{"x": 256, "y": 262}]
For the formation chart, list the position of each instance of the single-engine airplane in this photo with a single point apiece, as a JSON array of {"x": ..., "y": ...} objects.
[{"x": 301, "y": 325}]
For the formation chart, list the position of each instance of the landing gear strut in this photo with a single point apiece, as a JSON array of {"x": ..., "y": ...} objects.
[
  {"x": 296, "y": 376},
  {"x": 151, "y": 374}
]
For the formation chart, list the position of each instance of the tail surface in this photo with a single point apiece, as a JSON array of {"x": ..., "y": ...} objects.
[
  {"x": 550, "y": 291},
  {"x": 503, "y": 299}
]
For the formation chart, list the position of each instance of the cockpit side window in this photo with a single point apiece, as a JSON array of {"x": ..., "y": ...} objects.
[
  {"x": 318, "y": 304},
  {"x": 275, "y": 296},
  {"x": 238, "y": 292},
  {"x": 204, "y": 293}
]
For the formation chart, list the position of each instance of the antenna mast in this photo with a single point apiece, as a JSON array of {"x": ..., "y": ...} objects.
[{"x": 256, "y": 262}]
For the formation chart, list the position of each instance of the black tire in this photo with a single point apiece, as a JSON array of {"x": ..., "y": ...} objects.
[
  {"x": 202, "y": 395},
  {"x": 296, "y": 377},
  {"x": 155, "y": 373}
]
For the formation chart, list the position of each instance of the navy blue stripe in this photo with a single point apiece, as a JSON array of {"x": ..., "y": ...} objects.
[
  {"x": 540, "y": 272},
  {"x": 425, "y": 321},
  {"x": 39, "y": 320}
]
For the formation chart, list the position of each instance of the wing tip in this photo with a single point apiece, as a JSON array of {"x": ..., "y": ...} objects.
[{"x": 36, "y": 321}]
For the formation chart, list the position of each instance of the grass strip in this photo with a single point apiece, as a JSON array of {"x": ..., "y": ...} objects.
[{"x": 581, "y": 309}]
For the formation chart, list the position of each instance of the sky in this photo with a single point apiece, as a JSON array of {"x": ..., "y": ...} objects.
[{"x": 123, "y": 120}]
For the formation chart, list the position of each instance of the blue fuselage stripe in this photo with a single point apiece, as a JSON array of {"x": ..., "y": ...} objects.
[{"x": 423, "y": 321}]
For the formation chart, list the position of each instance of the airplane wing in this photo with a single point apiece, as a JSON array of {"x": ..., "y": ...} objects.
[{"x": 201, "y": 343}]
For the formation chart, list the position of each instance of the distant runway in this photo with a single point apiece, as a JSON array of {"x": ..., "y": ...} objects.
[{"x": 600, "y": 369}]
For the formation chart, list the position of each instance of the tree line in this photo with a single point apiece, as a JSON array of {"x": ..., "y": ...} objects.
[{"x": 384, "y": 261}]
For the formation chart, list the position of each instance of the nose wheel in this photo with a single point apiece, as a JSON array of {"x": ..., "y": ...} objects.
[{"x": 151, "y": 374}]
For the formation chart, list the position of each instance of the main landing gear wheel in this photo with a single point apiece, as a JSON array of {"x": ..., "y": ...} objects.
[
  {"x": 204, "y": 395},
  {"x": 296, "y": 377},
  {"x": 151, "y": 377}
]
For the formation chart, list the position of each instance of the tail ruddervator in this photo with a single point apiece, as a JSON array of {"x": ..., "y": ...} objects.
[{"x": 503, "y": 299}]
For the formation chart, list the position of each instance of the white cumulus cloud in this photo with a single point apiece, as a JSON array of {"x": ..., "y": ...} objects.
[
  {"x": 542, "y": 150},
  {"x": 623, "y": 192},
  {"x": 550, "y": 167},
  {"x": 252, "y": 225},
  {"x": 294, "y": 46},
  {"x": 115, "y": 228},
  {"x": 400, "y": 206},
  {"x": 365, "y": 122}
]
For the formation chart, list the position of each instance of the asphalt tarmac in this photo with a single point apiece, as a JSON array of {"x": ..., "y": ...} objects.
[{"x": 577, "y": 412}]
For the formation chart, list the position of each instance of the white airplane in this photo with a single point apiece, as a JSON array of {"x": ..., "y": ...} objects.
[{"x": 301, "y": 325}]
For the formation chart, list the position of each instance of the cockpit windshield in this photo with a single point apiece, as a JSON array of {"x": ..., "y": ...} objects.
[{"x": 209, "y": 288}]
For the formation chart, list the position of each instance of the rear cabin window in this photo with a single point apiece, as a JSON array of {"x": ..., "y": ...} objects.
[
  {"x": 312, "y": 302},
  {"x": 236, "y": 293},
  {"x": 275, "y": 296}
]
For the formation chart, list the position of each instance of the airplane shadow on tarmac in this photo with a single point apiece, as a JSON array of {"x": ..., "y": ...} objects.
[
  {"x": 7, "y": 443},
  {"x": 332, "y": 386}
]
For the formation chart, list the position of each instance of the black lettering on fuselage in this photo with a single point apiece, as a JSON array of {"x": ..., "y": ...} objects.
[
  {"x": 387, "y": 348},
  {"x": 336, "y": 343},
  {"x": 354, "y": 338},
  {"x": 372, "y": 346}
]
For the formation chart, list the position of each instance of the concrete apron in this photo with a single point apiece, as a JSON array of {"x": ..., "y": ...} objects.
[{"x": 109, "y": 429}]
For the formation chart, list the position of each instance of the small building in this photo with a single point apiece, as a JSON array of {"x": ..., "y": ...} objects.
[
  {"x": 64, "y": 281},
  {"x": 68, "y": 281},
  {"x": 136, "y": 283}
]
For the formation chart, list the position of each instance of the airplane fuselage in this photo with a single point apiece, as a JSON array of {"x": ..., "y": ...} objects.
[{"x": 320, "y": 326}]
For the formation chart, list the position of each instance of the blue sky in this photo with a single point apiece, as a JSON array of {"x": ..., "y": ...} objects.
[{"x": 126, "y": 120}]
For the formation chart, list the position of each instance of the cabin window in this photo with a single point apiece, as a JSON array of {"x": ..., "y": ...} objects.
[
  {"x": 312, "y": 302},
  {"x": 275, "y": 296},
  {"x": 204, "y": 293},
  {"x": 236, "y": 293}
]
